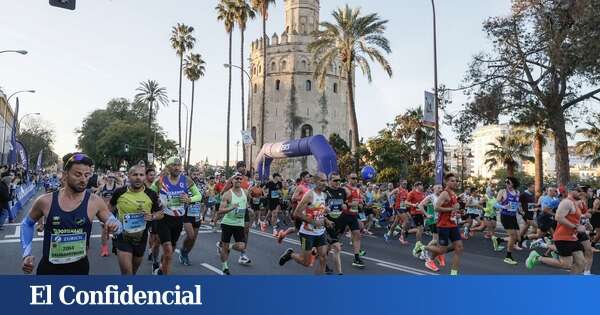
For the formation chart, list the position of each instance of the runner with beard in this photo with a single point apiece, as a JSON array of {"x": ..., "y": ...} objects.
[
  {"x": 192, "y": 219},
  {"x": 301, "y": 189}
]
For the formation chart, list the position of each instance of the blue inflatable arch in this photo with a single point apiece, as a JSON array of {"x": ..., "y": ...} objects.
[{"x": 316, "y": 146}]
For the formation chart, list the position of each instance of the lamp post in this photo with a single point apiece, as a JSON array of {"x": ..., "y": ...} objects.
[
  {"x": 187, "y": 113},
  {"x": 21, "y": 119},
  {"x": 250, "y": 91},
  {"x": 22, "y": 52},
  {"x": 6, "y": 113},
  {"x": 435, "y": 80}
]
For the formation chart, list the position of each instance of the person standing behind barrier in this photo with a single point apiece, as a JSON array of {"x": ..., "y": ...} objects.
[{"x": 4, "y": 198}]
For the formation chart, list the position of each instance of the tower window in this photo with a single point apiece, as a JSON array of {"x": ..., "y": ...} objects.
[
  {"x": 306, "y": 131},
  {"x": 283, "y": 65},
  {"x": 308, "y": 85},
  {"x": 255, "y": 87},
  {"x": 335, "y": 88},
  {"x": 304, "y": 66},
  {"x": 273, "y": 66},
  {"x": 253, "y": 133},
  {"x": 277, "y": 85}
]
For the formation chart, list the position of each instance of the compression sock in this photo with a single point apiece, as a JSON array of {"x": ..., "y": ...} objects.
[
  {"x": 454, "y": 272},
  {"x": 225, "y": 266},
  {"x": 356, "y": 256}
]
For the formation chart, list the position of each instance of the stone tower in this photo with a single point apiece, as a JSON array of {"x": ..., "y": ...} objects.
[{"x": 295, "y": 105}]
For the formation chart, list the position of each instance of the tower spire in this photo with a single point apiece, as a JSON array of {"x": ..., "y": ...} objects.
[{"x": 301, "y": 16}]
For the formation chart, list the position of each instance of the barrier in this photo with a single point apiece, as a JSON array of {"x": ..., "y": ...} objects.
[{"x": 24, "y": 194}]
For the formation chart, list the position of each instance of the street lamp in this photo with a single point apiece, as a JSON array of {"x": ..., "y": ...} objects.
[
  {"x": 187, "y": 113},
  {"x": 21, "y": 119},
  {"x": 22, "y": 52},
  {"x": 17, "y": 92},
  {"x": 249, "y": 101},
  {"x": 435, "y": 81}
]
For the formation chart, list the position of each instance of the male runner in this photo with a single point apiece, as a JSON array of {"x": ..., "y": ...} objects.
[
  {"x": 273, "y": 190},
  {"x": 174, "y": 190},
  {"x": 528, "y": 206},
  {"x": 312, "y": 211},
  {"x": 136, "y": 207},
  {"x": 301, "y": 189},
  {"x": 427, "y": 206},
  {"x": 509, "y": 205},
  {"x": 153, "y": 240},
  {"x": 69, "y": 214},
  {"x": 245, "y": 184},
  {"x": 545, "y": 219},
  {"x": 570, "y": 249},
  {"x": 349, "y": 218},
  {"x": 336, "y": 198},
  {"x": 234, "y": 211},
  {"x": 595, "y": 219},
  {"x": 414, "y": 198},
  {"x": 192, "y": 219},
  {"x": 401, "y": 214},
  {"x": 106, "y": 192},
  {"x": 448, "y": 209}
]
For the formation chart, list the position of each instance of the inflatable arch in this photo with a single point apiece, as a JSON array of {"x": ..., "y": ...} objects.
[{"x": 316, "y": 146}]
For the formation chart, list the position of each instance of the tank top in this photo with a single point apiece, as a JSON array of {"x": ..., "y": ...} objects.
[
  {"x": 236, "y": 216},
  {"x": 355, "y": 195},
  {"x": 449, "y": 219},
  {"x": 400, "y": 201},
  {"x": 430, "y": 211},
  {"x": 107, "y": 193},
  {"x": 511, "y": 204},
  {"x": 303, "y": 187},
  {"x": 315, "y": 211},
  {"x": 170, "y": 195},
  {"x": 565, "y": 233},
  {"x": 335, "y": 201},
  {"x": 67, "y": 234}
]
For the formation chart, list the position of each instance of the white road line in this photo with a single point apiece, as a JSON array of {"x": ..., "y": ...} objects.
[
  {"x": 388, "y": 264},
  {"x": 399, "y": 269},
  {"x": 212, "y": 268},
  {"x": 38, "y": 239},
  {"x": 16, "y": 234}
]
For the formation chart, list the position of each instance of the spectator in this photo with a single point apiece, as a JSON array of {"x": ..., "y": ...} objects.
[{"x": 4, "y": 197}]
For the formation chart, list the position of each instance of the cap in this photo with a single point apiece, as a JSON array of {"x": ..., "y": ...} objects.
[{"x": 173, "y": 160}]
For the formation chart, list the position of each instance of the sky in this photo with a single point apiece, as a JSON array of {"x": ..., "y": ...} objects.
[{"x": 79, "y": 60}]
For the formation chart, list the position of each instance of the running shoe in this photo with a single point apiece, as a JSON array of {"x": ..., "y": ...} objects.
[
  {"x": 386, "y": 237},
  {"x": 441, "y": 259},
  {"x": 226, "y": 272},
  {"x": 358, "y": 263},
  {"x": 328, "y": 270},
  {"x": 104, "y": 251},
  {"x": 157, "y": 271},
  {"x": 532, "y": 260},
  {"x": 417, "y": 249},
  {"x": 423, "y": 256},
  {"x": 244, "y": 260},
  {"x": 287, "y": 256},
  {"x": 155, "y": 266},
  {"x": 275, "y": 232},
  {"x": 430, "y": 264},
  {"x": 510, "y": 261}
]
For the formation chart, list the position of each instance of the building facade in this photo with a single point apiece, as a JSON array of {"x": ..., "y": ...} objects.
[
  {"x": 296, "y": 106},
  {"x": 459, "y": 160},
  {"x": 482, "y": 137},
  {"x": 6, "y": 126}
]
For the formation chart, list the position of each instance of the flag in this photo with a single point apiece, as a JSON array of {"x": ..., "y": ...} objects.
[
  {"x": 38, "y": 164},
  {"x": 12, "y": 155},
  {"x": 22, "y": 155},
  {"x": 439, "y": 162},
  {"x": 429, "y": 110}
]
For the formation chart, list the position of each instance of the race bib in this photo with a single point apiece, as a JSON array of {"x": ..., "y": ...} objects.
[
  {"x": 354, "y": 208},
  {"x": 362, "y": 216},
  {"x": 275, "y": 194},
  {"x": 134, "y": 222},
  {"x": 172, "y": 205},
  {"x": 403, "y": 205},
  {"x": 256, "y": 201},
  {"x": 239, "y": 213},
  {"x": 67, "y": 248},
  {"x": 194, "y": 210},
  {"x": 531, "y": 206},
  {"x": 513, "y": 206}
]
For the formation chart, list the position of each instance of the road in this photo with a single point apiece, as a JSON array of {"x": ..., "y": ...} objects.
[{"x": 381, "y": 258}]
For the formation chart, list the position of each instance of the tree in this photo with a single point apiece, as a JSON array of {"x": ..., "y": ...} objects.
[
  {"x": 262, "y": 7},
  {"x": 194, "y": 69},
  {"x": 38, "y": 135},
  {"x": 507, "y": 151},
  {"x": 243, "y": 12},
  {"x": 226, "y": 13},
  {"x": 590, "y": 148},
  {"x": 544, "y": 53},
  {"x": 353, "y": 39},
  {"x": 182, "y": 40},
  {"x": 151, "y": 93}
]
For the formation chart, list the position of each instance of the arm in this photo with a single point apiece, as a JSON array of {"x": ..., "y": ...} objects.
[
  {"x": 225, "y": 204},
  {"x": 299, "y": 211},
  {"x": 27, "y": 232},
  {"x": 196, "y": 195},
  {"x": 444, "y": 197},
  {"x": 105, "y": 216},
  {"x": 500, "y": 198}
]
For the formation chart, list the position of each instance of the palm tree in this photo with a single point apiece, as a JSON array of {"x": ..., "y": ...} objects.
[
  {"x": 352, "y": 39},
  {"x": 182, "y": 40},
  {"x": 535, "y": 136},
  {"x": 506, "y": 152},
  {"x": 194, "y": 68},
  {"x": 151, "y": 93},
  {"x": 243, "y": 12},
  {"x": 262, "y": 7},
  {"x": 226, "y": 13},
  {"x": 590, "y": 148}
]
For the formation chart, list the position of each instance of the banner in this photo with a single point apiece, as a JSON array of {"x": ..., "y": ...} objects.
[
  {"x": 12, "y": 154},
  {"x": 439, "y": 162},
  {"x": 429, "y": 110},
  {"x": 38, "y": 164},
  {"x": 247, "y": 137},
  {"x": 22, "y": 155}
]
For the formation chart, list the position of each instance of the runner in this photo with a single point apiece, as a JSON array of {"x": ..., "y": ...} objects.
[
  {"x": 570, "y": 250},
  {"x": 401, "y": 215},
  {"x": 413, "y": 200},
  {"x": 313, "y": 211},
  {"x": 349, "y": 218},
  {"x": 428, "y": 206},
  {"x": 174, "y": 190},
  {"x": 301, "y": 189},
  {"x": 136, "y": 206},
  {"x": 106, "y": 192},
  {"x": 583, "y": 237},
  {"x": 509, "y": 205},
  {"x": 273, "y": 191},
  {"x": 595, "y": 219},
  {"x": 545, "y": 219},
  {"x": 234, "y": 210},
  {"x": 256, "y": 204},
  {"x": 473, "y": 209},
  {"x": 192, "y": 219},
  {"x": 69, "y": 213},
  {"x": 448, "y": 214},
  {"x": 336, "y": 197},
  {"x": 153, "y": 239},
  {"x": 528, "y": 206},
  {"x": 211, "y": 199},
  {"x": 245, "y": 184}
]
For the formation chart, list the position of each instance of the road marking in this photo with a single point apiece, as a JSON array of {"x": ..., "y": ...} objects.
[
  {"x": 16, "y": 234},
  {"x": 212, "y": 268},
  {"x": 399, "y": 269},
  {"x": 38, "y": 239},
  {"x": 388, "y": 264}
]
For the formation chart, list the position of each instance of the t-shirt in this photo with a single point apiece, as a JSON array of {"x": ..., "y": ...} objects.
[
  {"x": 274, "y": 190},
  {"x": 549, "y": 202},
  {"x": 415, "y": 197},
  {"x": 527, "y": 200},
  {"x": 131, "y": 207}
]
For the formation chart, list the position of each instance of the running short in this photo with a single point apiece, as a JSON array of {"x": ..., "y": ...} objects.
[
  {"x": 137, "y": 247},
  {"x": 567, "y": 248},
  {"x": 448, "y": 235},
  {"x": 369, "y": 211},
  {"x": 346, "y": 220},
  {"x": 509, "y": 222},
  {"x": 582, "y": 237},
  {"x": 227, "y": 231},
  {"x": 192, "y": 220},
  {"x": 169, "y": 229},
  {"x": 546, "y": 222},
  {"x": 255, "y": 206},
  {"x": 473, "y": 216},
  {"x": 273, "y": 203},
  {"x": 78, "y": 268},
  {"x": 528, "y": 215},
  {"x": 307, "y": 242},
  {"x": 418, "y": 219},
  {"x": 247, "y": 216},
  {"x": 595, "y": 220},
  {"x": 433, "y": 228},
  {"x": 332, "y": 236}
]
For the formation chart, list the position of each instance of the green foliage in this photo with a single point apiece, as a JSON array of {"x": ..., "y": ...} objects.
[
  {"x": 501, "y": 174},
  {"x": 590, "y": 147},
  {"x": 506, "y": 152},
  {"x": 36, "y": 135}
]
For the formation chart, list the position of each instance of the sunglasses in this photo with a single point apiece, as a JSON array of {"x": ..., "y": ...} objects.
[
  {"x": 353, "y": 178},
  {"x": 336, "y": 180},
  {"x": 238, "y": 178}
]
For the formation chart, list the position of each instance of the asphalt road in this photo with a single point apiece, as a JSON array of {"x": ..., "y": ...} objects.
[{"x": 381, "y": 258}]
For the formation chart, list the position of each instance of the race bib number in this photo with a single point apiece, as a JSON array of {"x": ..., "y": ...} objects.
[
  {"x": 513, "y": 206},
  {"x": 531, "y": 206},
  {"x": 354, "y": 208},
  {"x": 172, "y": 204},
  {"x": 403, "y": 205},
  {"x": 67, "y": 248},
  {"x": 256, "y": 201},
  {"x": 194, "y": 210},
  {"x": 239, "y": 213},
  {"x": 134, "y": 222},
  {"x": 362, "y": 216},
  {"x": 275, "y": 194}
]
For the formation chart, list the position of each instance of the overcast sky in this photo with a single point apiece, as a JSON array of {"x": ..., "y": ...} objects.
[{"x": 78, "y": 60}]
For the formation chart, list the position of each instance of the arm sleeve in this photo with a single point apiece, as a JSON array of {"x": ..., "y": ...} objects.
[
  {"x": 154, "y": 198},
  {"x": 196, "y": 195},
  {"x": 27, "y": 235}
]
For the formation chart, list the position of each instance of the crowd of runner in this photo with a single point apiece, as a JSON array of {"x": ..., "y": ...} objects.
[{"x": 143, "y": 213}]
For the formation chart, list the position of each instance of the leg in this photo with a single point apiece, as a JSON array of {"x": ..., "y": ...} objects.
[
  {"x": 190, "y": 238},
  {"x": 588, "y": 254},
  {"x": 166, "y": 257},
  {"x": 125, "y": 262},
  {"x": 458, "y": 250},
  {"x": 337, "y": 249},
  {"x": 136, "y": 262},
  {"x": 579, "y": 263},
  {"x": 322, "y": 252}
]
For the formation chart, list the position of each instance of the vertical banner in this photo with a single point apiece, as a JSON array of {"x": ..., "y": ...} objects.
[
  {"x": 439, "y": 161},
  {"x": 12, "y": 155},
  {"x": 429, "y": 110},
  {"x": 23, "y": 156},
  {"x": 247, "y": 137},
  {"x": 38, "y": 164}
]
